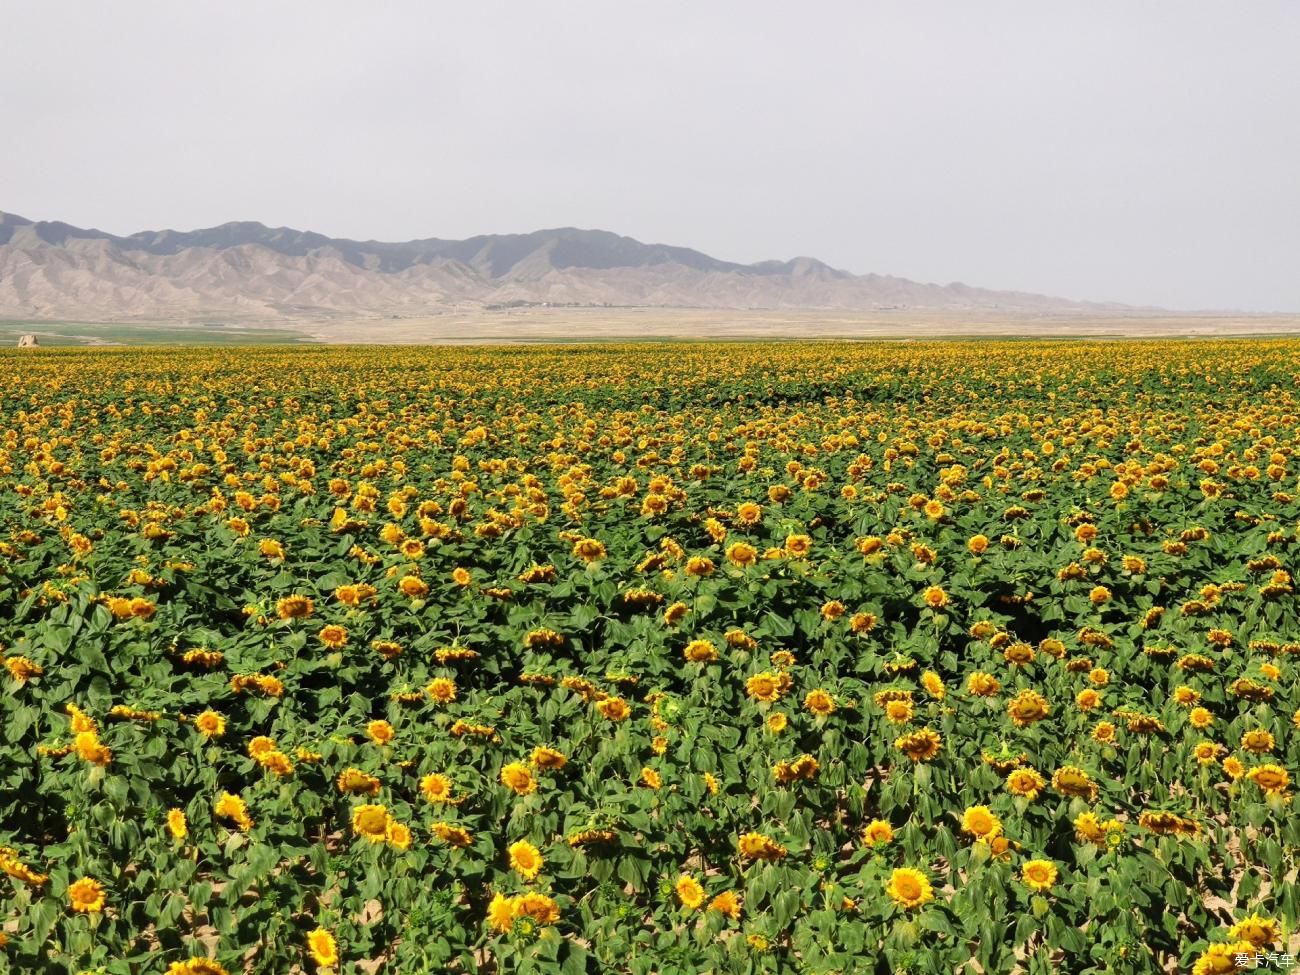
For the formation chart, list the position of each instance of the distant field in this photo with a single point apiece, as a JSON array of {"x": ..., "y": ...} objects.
[
  {"x": 509, "y": 326},
  {"x": 642, "y": 324},
  {"x": 82, "y": 333}
]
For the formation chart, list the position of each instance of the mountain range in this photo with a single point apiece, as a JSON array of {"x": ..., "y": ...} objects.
[{"x": 246, "y": 271}]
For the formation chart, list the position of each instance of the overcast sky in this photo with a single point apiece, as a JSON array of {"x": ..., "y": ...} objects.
[{"x": 1138, "y": 152}]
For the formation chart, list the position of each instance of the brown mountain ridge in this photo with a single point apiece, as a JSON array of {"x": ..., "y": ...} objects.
[{"x": 246, "y": 271}]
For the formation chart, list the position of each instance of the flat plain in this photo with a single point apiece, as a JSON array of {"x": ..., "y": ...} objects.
[{"x": 523, "y": 325}]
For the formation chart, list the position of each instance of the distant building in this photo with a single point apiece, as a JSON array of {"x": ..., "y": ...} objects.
[{"x": 28, "y": 342}]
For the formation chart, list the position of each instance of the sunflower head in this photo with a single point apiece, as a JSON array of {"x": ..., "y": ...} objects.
[
  {"x": 86, "y": 896},
  {"x": 689, "y": 892},
  {"x": 525, "y": 859},
  {"x": 323, "y": 948},
  {"x": 909, "y": 888},
  {"x": 1038, "y": 875},
  {"x": 371, "y": 821}
]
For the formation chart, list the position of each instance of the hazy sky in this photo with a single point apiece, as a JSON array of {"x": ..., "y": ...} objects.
[{"x": 1140, "y": 152}]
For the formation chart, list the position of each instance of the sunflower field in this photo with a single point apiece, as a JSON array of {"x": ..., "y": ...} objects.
[{"x": 657, "y": 659}]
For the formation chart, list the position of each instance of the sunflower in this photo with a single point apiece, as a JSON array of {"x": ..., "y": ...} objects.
[
  {"x": 1071, "y": 781},
  {"x": 450, "y": 655},
  {"x": 398, "y": 835},
  {"x": 689, "y": 892},
  {"x": 1207, "y": 752},
  {"x": 765, "y": 687},
  {"x": 1019, "y": 654},
  {"x": 294, "y": 607},
  {"x": 981, "y": 684},
  {"x": 1025, "y": 782},
  {"x": 726, "y": 903},
  {"x": 614, "y": 708},
  {"x": 271, "y": 548},
  {"x": 802, "y": 768},
  {"x": 371, "y": 821},
  {"x": 742, "y": 554},
  {"x": 501, "y": 912},
  {"x": 90, "y": 749},
  {"x": 436, "y": 788},
  {"x": 277, "y": 762},
  {"x": 1166, "y": 823},
  {"x": 675, "y": 613},
  {"x": 1038, "y": 875},
  {"x": 525, "y": 859},
  {"x": 1185, "y": 696},
  {"x": 700, "y": 651},
  {"x": 547, "y": 758},
  {"x": 441, "y": 689},
  {"x": 176, "y": 824},
  {"x": 380, "y": 732},
  {"x": 516, "y": 777},
  {"x": 86, "y": 896},
  {"x": 1258, "y": 741},
  {"x": 539, "y": 907},
  {"x": 863, "y": 623},
  {"x": 1273, "y": 779},
  {"x": 1027, "y": 707},
  {"x": 899, "y": 711},
  {"x": 324, "y": 949},
  {"x": 878, "y": 832},
  {"x": 22, "y": 669},
  {"x": 819, "y": 702},
  {"x": 537, "y": 574},
  {"x": 452, "y": 835},
  {"x": 798, "y": 546},
  {"x": 980, "y": 823},
  {"x": 756, "y": 846},
  {"x": 909, "y": 888},
  {"x": 1088, "y": 828},
  {"x": 260, "y": 746},
  {"x": 1262, "y": 932},
  {"x": 650, "y": 778},
  {"x": 589, "y": 550},
  {"x": 1221, "y": 959},
  {"x": 920, "y": 746},
  {"x": 413, "y": 586},
  {"x": 196, "y": 966},
  {"x": 832, "y": 609},
  {"x": 739, "y": 639},
  {"x": 333, "y": 636},
  {"x": 82, "y": 721},
  {"x": 935, "y": 597},
  {"x": 699, "y": 567},
  {"x": 357, "y": 782},
  {"x": 231, "y": 806}
]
